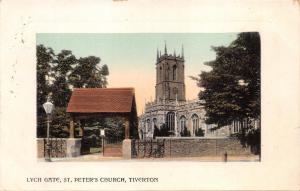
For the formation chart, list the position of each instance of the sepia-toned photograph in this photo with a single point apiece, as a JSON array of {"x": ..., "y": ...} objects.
[{"x": 148, "y": 97}]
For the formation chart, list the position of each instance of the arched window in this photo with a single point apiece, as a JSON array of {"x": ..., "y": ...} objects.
[
  {"x": 160, "y": 74},
  {"x": 166, "y": 71},
  {"x": 174, "y": 72},
  {"x": 235, "y": 126},
  {"x": 195, "y": 121},
  {"x": 148, "y": 125},
  {"x": 154, "y": 122},
  {"x": 171, "y": 121},
  {"x": 182, "y": 123}
]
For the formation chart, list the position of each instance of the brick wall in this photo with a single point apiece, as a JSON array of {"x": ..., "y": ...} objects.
[{"x": 197, "y": 147}]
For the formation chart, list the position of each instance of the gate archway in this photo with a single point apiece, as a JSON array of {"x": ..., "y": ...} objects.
[{"x": 102, "y": 103}]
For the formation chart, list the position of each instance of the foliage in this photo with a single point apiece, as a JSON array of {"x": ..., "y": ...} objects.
[
  {"x": 115, "y": 128},
  {"x": 251, "y": 138},
  {"x": 164, "y": 131},
  {"x": 88, "y": 74},
  {"x": 63, "y": 65},
  {"x": 44, "y": 59},
  {"x": 232, "y": 87},
  {"x": 41, "y": 125},
  {"x": 57, "y": 75},
  {"x": 199, "y": 132},
  {"x": 59, "y": 123},
  {"x": 156, "y": 132},
  {"x": 134, "y": 134},
  {"x": 185, "y": 132},
  {"x": 114, "y": 131}
]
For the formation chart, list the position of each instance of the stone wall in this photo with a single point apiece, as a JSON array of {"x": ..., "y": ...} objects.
[
  {"x": 195, "y": 147},
  {"x": 40, "y": 148},
  {"x": 61, "y": 147}
]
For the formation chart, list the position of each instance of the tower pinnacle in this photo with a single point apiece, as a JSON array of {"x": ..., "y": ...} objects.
[
  {"x": 157, "y": 55},
  {"x": 166, "y": 52},
  {"x": 182, "y": 52}
]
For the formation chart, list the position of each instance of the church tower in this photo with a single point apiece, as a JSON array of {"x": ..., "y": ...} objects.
[{"x": 170, "y": 76}]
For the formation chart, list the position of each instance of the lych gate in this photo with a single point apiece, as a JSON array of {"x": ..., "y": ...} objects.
[{"x": 100, "y": 103}]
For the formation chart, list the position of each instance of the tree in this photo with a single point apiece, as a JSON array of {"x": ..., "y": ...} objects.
[
  {"x": 60, "y": 123},
  {"x": 115, "y": 128},
  {"x": 89, "y": 74},
  {"x": 63, "y": 66},
  {"x": 45, "y": 57},
  {"x": 232, "y": 88},
  {"x": 56, "y": 76}
]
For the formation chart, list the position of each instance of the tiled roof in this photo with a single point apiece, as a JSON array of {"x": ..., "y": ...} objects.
[{"x": 101, "y": 100}]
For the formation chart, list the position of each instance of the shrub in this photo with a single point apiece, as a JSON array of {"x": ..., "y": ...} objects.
[
  {"x": 199, "y": 132},
  {"x": 250, "y": 138},
  {"x": 156, "y": 132},
  {"x": 185, "y": 132},
  {"x": 164, "y": 131}
]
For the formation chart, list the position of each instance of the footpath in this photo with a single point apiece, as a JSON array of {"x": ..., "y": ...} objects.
[{"x": 98, "y": 157}]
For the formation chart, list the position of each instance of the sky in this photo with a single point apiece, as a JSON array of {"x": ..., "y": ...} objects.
[{"x": 131, "y": 57}]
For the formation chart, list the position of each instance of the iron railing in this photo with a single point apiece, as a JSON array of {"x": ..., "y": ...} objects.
[
  {"x": 148, "y": 148},
  {"x": 58, "y": 147}
]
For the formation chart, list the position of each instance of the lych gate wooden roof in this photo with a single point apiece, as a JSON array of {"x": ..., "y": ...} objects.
[{"x": 101, "y": 100}]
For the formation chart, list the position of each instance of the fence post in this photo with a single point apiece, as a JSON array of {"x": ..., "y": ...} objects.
[
  {"x": 225, "y": 156},
  {"x": 150, "y": 154},
  {"x": 61, "y": 147},
  {"x": 163, "y": 148},
  {"x": 103, "y": 146},
  {"x": 44, "y": 147},
  {"x": 145, "y": 143},
  {"x": 216, "y": 147},
  {"x": 170, "y": 147}
]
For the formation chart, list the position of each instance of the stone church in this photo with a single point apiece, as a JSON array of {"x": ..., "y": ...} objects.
[{"x": 170, "y": 106}]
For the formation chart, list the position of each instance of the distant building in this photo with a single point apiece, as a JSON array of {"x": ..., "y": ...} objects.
[{"x": 170, "y": 107}]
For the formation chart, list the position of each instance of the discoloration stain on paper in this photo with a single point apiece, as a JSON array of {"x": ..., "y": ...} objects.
[
  {"x": 297, "y": 1},
  {"x": 13, "y": 78},
  {"x": 19, "y": 36}
]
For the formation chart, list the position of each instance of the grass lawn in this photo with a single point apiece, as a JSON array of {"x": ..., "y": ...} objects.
[{"x": 95, "y": 150}]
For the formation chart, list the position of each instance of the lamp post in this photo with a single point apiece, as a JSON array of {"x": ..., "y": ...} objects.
[
  {"x": 48, "y": 106},
  {"x": 242, "y": 83},
  {"x": 102, "y": 135}
]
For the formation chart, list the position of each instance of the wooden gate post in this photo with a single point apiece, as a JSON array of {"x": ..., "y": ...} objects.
[
  {"x": 80, "y": 129},
  {"x": 71, "y": 131},
  {"x": 127, "y": 128}
]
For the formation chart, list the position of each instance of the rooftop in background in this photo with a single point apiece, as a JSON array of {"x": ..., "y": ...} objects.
[{"x": 101, "y": 100}]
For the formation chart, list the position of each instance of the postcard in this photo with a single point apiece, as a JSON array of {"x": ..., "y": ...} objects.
[{"x": 123, "y": 95}]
